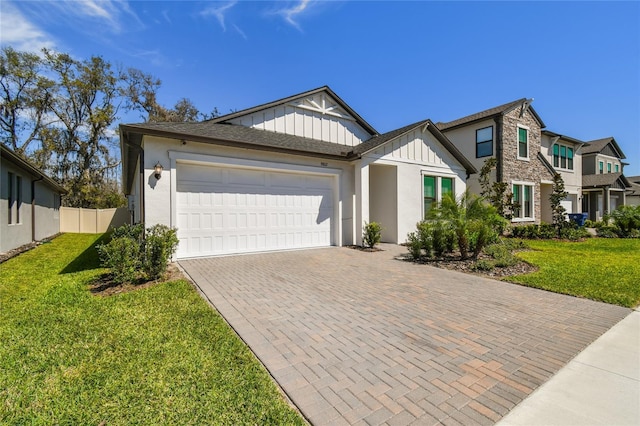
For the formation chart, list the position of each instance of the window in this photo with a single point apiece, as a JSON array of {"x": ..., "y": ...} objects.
[
  {"x": 569, "y": 158},
  {"x": 562, "y": 156},
  {"x": 523, "y": 201},
  {"x": 447, "y": 185},
  {"x": 10, "y": 199},
  {"x": 523, "y": 143},
  {"x": 484, "y": 142},
  {"x": 18, "y": 197},
  {"x": 431, "y": 192},
  {"x": 617, "y": 168},
  {"x": 601, "y": 167},
  {"x": 608, "y": 167}
]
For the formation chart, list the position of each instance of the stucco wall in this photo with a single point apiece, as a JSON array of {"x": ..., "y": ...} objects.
[
  {"x": 157, "y": 192},
  {"x": 383, "y": 200},
  {"x": 47, "y": 220}
]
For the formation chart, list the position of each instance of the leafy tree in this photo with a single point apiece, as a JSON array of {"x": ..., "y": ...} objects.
[
  {"x": 558, "y": 194},
  {"x": 25, "y": 94},
  {"x": 60, "y": 112},
  {"x": 141, "y": 90},
  {"x": 497, "y": 193}
]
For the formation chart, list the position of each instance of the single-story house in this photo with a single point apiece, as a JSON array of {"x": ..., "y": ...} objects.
[
  {"x": 303, "y": 171},
  {"x": 29, "y": 202}
]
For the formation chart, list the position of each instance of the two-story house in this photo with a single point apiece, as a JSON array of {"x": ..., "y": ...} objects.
[
  {"x": 564, "y": 154},
  {"x": 603, "y": 182},
  {"x": 512, "y": 133}
]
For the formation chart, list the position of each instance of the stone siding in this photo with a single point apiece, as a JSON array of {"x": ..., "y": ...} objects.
[{"x": 514, "y": 169}]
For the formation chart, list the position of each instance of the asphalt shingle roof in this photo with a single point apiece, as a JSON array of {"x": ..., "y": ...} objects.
[
  {"x": 501, "y": 109},
  {"x": 604, "y": 179},
  {"x": 216, "y": 133}
]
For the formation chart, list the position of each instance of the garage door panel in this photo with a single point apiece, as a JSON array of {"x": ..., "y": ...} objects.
[{"x": 247, "y": 210}]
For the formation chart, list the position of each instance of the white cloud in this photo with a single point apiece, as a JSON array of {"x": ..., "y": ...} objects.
[
  {"x": 244, "y": 36},
  {"x": 219, "y": 12},
  {"x": 20, "y": 33},
  {"x": 290, "y": 14}
]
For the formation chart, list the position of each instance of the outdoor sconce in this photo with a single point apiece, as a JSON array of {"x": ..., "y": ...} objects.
[{"x": 157, "y": 170}]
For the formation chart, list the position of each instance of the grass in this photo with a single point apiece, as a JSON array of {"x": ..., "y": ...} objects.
[
  {"x": 159, "y": 355},
  {"x": 601, "y": 269}
]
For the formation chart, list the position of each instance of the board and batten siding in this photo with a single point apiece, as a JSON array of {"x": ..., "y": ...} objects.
[
  {"x": 419, "y": 147},
  {"x": 318, "y": 117}
]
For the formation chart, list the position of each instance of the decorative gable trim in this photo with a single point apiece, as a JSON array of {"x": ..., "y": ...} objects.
[{"x": 299, "y": 99}]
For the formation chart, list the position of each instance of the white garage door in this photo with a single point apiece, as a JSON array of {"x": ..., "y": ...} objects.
[{"x": 230, "y": 210}]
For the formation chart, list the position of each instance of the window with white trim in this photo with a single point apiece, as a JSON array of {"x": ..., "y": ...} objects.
[
  {"x": 562, "y": 156},
  {"x": 522, "y": 201},
  {"x": 434, "y": 187},
  {"x": 601, "y": 166},
  {"x": 523, "y": 143},
  {"x": 608, "y": 167},
  {"x": 484, "y": 142},
  {"x": 617, "y": 168}
]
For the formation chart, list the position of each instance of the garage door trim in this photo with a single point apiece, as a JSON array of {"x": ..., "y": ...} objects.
[{"x": 234, "y": 162}]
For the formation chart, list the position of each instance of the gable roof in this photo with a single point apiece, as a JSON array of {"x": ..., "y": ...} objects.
[
  {"x": 366, "y": 126},
  {"x": 598, "y": 145},
  {"x": 14, "y": 158},
  {"x": 379, "y": 140},
  {"x": 563, "y": 137},
  {"x": 605, "y": 179},
  {"x": 489, "y": 113}
]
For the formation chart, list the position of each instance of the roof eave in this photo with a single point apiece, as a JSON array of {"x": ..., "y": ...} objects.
[
  {"x": 231, "y": 143},
  {"x": 21, "y": 162}
]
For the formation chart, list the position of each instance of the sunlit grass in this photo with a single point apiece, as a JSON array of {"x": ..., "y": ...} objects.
[
  {"x": 159, "y": 355},
  {"x": 601, "y": 269}
]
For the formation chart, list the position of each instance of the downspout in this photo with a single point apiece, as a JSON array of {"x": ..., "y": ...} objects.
[
  {"x": 141, "y": 201},
  {"x": 33, "y": 207}
]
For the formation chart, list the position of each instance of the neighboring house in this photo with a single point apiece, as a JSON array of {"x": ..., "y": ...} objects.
[
  {"x": 564, "y": 155},
  {"x": 512, "y": 134},
  {"x": 303, "y": 171},
  {"x": 29, "y": 202},
  {"x": 603, "y": 182},
  {"x": 633, "y": 194}
]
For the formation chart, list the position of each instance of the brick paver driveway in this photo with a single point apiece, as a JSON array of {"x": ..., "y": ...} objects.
[{"x": 355, "y": 337}]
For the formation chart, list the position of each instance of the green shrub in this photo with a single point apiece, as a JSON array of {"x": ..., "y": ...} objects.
[
  {"x": 414, "y": 245},
  {"x": 159, "y": 245},
  {"x": 547, "y": 231},
  {"x": 439, "y": 238},
  {"x": 425, "y": 237},
  {"x": 372, "y": 234},
  {"x": 626, "y": 219},
  {"x": 607, "y": 231},
  {"x": 135, "y": 232},
  {"x": 122, "y": 256},
  {"x": 502, "y": 254},
  {"x": 572, "y": 232},
  {"x": 483, "y": 265},
  {"x": 589, "y": 223}
]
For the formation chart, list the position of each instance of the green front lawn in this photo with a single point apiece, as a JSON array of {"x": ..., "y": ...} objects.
[
  {"x": 601, "y": 269},
  {"x": 159, "y": 355}
]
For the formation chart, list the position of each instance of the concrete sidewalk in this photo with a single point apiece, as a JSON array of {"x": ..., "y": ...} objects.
[{"x": 600, "y": 386}]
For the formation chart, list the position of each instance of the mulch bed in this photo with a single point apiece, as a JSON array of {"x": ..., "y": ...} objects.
[
  {"x": 367, "y": 249},
  {"x": 105, "y": 287},
  {"x": 453, "y": 262}
]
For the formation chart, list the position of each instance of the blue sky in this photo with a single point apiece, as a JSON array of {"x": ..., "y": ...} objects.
[{"x": 393, "y": 62}]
